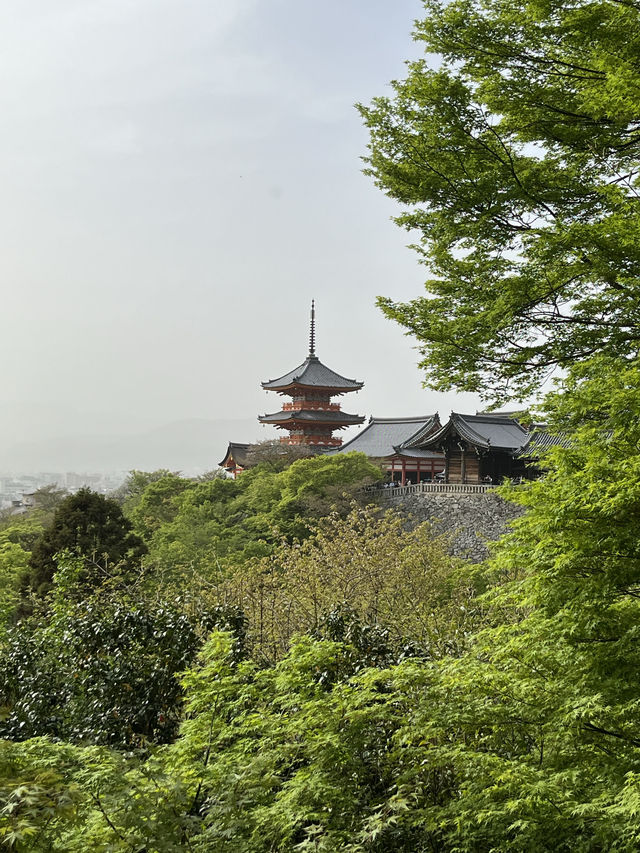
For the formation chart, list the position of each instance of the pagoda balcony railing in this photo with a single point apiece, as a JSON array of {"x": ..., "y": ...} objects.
[
  {"x": 324, "y": 440},
  {"x": 318, "y": 405}
]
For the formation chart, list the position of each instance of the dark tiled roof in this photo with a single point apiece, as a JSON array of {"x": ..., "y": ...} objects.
[
  {"x": 431, "y": 425},
  {"x": 312, "y": 373},
  {"x": 236, "y": 452},
  {"x": 418, "y": 453},
  {"x": 541, "y": 440},
  {"x": 311, "y": 416},
  {"x": 382, "y": 436},
  {"x": 498, "y": 432}
]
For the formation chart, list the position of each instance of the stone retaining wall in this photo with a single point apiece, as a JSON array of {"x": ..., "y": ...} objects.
[{"x": 469, "y": 520}]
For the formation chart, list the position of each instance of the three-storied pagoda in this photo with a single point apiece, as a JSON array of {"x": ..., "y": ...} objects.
[{"x": 311, "y": 418}]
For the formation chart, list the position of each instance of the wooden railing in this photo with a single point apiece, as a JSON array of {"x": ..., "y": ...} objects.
[
  {"x": 430, "y": 488},
  {"x": 311, "y": 440},
  {"x": 316, "y": 405}
]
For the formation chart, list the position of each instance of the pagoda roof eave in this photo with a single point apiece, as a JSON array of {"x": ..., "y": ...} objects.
[
  {"x": 312, "y": 373},
  {"x": 289, "y": 390},
  {"x": 303, "y": 416}
]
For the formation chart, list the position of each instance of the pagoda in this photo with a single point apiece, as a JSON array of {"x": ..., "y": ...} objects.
[{"x": 311, "y": 418}]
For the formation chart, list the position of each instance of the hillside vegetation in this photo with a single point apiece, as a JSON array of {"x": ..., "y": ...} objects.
[
  {"x": 267, "y": 665},
  {"x": 333, "y": 680}
]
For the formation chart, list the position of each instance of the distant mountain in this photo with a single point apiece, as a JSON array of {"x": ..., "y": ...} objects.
[{"x": 186, "y": 445}]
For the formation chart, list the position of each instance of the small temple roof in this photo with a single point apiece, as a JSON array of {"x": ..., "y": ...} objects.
[
  {"x": 498, "y": 432},
  {"x": 312, "y": 373},
  {"x": 541, "y": 440},
  {"x": 311, "y": 416},
  {"x": 430, "y": 425},
  {"x": 236, "y": 452},
  {"x": 387, "y": 436},
  {"x": 417, "y": 453}
]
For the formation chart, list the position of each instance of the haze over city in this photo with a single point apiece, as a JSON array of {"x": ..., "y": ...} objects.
[{"x": 179, "y": 180}]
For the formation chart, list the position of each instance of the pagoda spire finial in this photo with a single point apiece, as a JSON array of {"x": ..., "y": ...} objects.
[{"x": 312, "y": 332}]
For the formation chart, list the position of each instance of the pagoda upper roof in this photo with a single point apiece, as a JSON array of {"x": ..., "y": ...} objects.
[
  {"x": 485, "y": 431},
  {"x": 312, "y": 373},
  {"x": 311, "y": 416},
  {"x": 384, "y": 437}
]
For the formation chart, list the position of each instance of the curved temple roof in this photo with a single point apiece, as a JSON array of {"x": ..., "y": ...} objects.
[
  {"x": 312, "y": 373},
  {"x": 387, "y": 436},
  {"x": 541, "y": 440},
  {"x": 312, "y": 416},
  {"x": 498, "y": 432},
  {"x": 236, "y": 452}
]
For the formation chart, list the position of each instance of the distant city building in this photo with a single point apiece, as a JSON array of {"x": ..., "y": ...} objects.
[
  {"x": 17, "y": 490},
  {"x": 75, "y": 481}
]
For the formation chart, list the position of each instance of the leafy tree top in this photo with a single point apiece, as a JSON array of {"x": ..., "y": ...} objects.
[
  {"x": 91, "y": 526},
  {"x": 515, "y": 158}
]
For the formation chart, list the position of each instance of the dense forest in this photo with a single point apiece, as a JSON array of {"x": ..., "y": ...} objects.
[{"x": 270, "y": 663}]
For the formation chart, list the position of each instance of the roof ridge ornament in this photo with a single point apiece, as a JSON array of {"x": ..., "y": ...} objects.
[{"x": 312, "y": 331}]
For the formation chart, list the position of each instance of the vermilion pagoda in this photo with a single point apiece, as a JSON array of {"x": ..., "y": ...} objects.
[{"x": 311, "y": 418}]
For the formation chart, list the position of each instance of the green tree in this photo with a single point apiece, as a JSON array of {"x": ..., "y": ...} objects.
[
  {"x": 102, "y": 668},
  {"x": 60, "y": 798},
  {"x": 136, "y": 482},
  {"x": 48, "y": 498},
  {"x": 514, "y": 152},
  {"x": 155, "y": 504},
  {"x": 368, "y": 567},
  {"x": 14, "y": 561},
  {"x": 277, "y": 455},
  {"x": 205, "y": 526},
  {"x": 93, "y": 527},
  {"x": 285, "y": 503},
  {"x": 17, "y": 539},
  {"x": 130, "y": 491}
]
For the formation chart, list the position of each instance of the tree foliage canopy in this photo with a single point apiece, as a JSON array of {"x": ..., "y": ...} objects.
[
  {"x": 366, "y": 566},
  {"x": 523, "y": 740},
  {"x": 103, "y": 666},
  {"x": 515, "y": 154},
  {"x": 193, "y": 525},
  {"x": 93, "y": 527}
]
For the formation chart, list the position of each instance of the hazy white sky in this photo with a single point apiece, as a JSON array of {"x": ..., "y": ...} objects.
[{"x": 179, "y": 179}]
